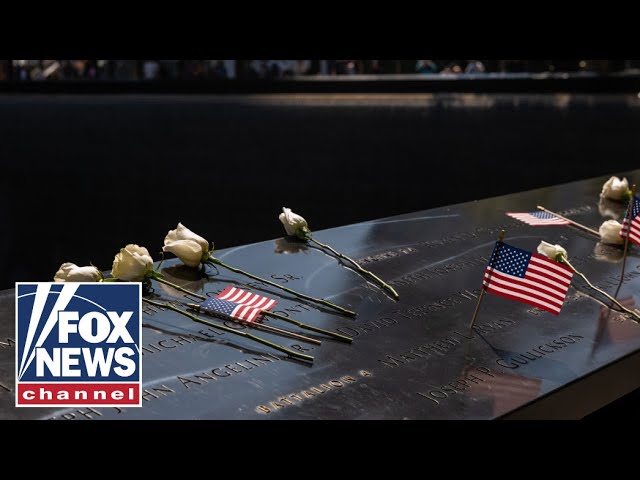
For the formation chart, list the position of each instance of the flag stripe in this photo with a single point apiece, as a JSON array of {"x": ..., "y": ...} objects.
[
  {"x": 243, "y": 297},
  {"x": 545, "y": 277},
  {"x": 530, "y": 292},
  {"x": 538, "y": 218},
  {"x": 523, "y": 298},
  {"x": 547, "y": 262},
  {"x": 525, "y": 285}
]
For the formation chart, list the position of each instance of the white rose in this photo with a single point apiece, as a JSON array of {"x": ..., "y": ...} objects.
[
  {"x": 186, "y": 245},
  {"x": 554, "y": 252},
  {"x": 293, "y": 223},
  {"x": 132, "y": 264},
  {"x": 610, "y": 232},
  {"x": 70, "y": 272},
  {"x": 615, "y": 189}
]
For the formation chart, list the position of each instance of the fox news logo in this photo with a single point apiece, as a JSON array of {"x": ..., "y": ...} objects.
[{"x": 78, "y": 344}]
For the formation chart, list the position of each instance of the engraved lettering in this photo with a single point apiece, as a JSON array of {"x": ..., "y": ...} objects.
[
  {"x": 210, "y": 332},
  {"x": 146, "y": 393},
  {"x": 180, "y": 340},
  {"x": 391, "y": 361},
  {"x": 186, "y": 381},
  {"x": 504, "y": 364},
  {"x": 229, "y": 367},
  {"x": 161, "y": 343},
  {"x": 351, "y": 333},
  {"x": 222, "y": 373},
  {"x": 428, "y": 397},
  {"x": 164, "y": 390},
  {"x": 486, "y": 371},
  {"x": 205, "y": 377},
  {"x": 8, "y": 344}
]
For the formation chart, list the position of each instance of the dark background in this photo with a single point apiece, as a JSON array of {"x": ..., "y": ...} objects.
[{"x": 83, "y": 175}]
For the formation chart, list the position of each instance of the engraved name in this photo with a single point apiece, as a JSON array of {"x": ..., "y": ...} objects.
[
  {"x": 442, "y": 346},
  {"x": 459, "y": 385},
  {"x": 386, "y": 255},
  {"x": 539, "y": 351},
  {"x": 440, "y": 304},
  {"x": 298, "y": 398},
  {"x": 428, "y": 273}
]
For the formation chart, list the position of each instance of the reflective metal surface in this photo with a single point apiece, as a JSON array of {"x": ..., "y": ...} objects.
[{"x": 411, "y": 359}]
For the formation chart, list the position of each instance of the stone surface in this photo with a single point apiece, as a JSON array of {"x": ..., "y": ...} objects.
[{"x": 411, "y": 359}]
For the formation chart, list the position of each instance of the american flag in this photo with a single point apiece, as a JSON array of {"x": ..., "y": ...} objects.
[
  {"x": 538, "y": 218},
  {"x": 634, "y": 230},
  {"x": 235, "y": 310},
  {"x": 239, "y": 304},
  {"x": 527, "y": 277},
  {"x": 237, "y": 295}
]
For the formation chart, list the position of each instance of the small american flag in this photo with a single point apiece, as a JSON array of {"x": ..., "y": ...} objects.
[
  {"x": 632, "y": 226},
  {"x": 527, "y": 277},
  {"x": 235, "y": 310},
  {"x": 237, "y": 295},
  {"x": 538, "y": 218}
]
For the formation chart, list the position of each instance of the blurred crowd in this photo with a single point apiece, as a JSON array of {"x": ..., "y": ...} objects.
[{"x": 153, "y": 70}]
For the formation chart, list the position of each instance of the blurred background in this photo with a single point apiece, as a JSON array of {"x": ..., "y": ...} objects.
[
  {"x": 95, "y": 154},
  {"x": 158, "y": 70},
  {"x": 99, "y": 153}
]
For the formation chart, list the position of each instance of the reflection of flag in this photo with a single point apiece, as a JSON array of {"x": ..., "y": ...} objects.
[
  {"x": 631, "y": 224},
  {"x": 508, "y": 391},
  {"x": 237, "y": 295},
  {"x": 527, "y": 277},
  {"x": 538, "y": 218}
]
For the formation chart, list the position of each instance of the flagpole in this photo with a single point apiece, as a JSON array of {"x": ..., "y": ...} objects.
[
  {"x": 475, "y": 313},
  {"x": 626, "y": 238},
  {"x": 575, "y": 224}
]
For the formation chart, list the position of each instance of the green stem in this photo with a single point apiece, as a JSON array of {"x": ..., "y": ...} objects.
[
  {"x": 564, "y": 260},
  {"x": 215, "y": 261},
  {"x": 381, "y": 282},
  {"x": 231, "y": 330},
  {"x": 158, "y": 276},
  {"x": 335, "y": 335}
]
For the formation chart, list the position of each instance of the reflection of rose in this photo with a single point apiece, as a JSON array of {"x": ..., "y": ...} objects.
[
  {"x": 184, "y": 276},
  {"x": 285, "y": 246},
  {"x": 607, "y": 253},
  {"x": 610, "y": 209},
  {"x": 610, "y": 232}
]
